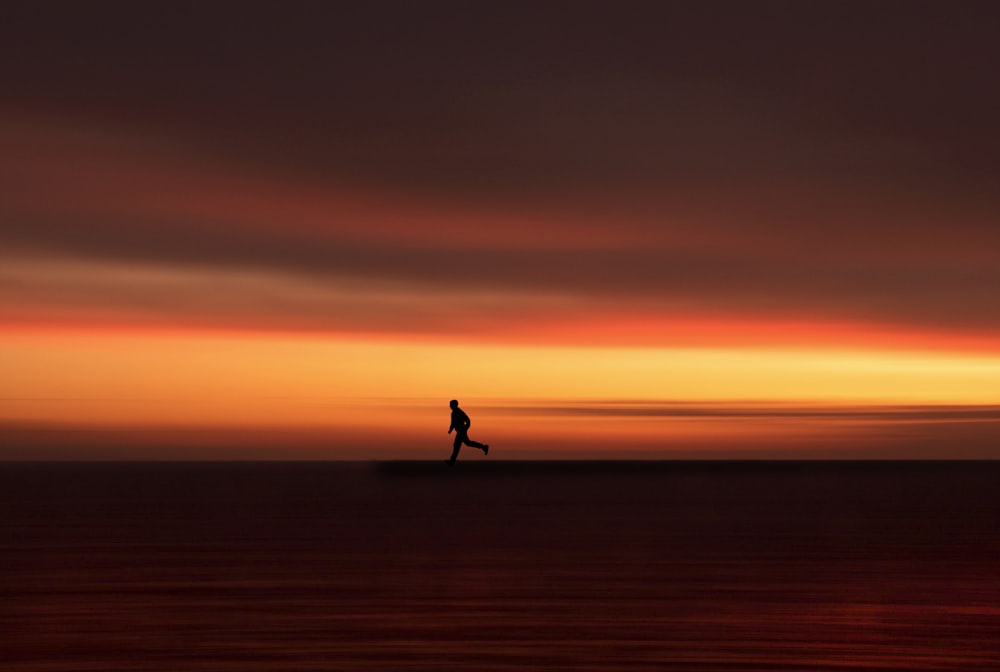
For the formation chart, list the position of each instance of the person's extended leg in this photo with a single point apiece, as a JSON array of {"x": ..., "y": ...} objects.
[{"x": 458, "y": 446}]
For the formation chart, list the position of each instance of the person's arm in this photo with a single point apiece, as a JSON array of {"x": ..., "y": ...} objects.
[{"x": 452, "y": 425}]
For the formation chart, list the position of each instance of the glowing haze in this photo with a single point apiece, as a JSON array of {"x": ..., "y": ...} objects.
[{"x": 707, "y": 230}]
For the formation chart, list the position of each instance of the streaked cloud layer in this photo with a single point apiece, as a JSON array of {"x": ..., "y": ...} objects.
[
  {"x": 713, "y": 193},
  {"x": 132, "y": 242}
]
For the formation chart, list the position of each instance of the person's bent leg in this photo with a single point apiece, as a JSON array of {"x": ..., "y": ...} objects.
[{"x": 475, "y": 444}]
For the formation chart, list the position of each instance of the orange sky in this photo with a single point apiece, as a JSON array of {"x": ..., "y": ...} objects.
[
  {"x": 124, "y": 353},
  {"x": 631, "y": 236},
  {"x": 193, "y": 394},
  {"x": 233, "y": 347}
]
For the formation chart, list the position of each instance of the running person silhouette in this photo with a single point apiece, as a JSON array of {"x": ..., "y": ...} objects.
[{"x": 460, "y": 423}]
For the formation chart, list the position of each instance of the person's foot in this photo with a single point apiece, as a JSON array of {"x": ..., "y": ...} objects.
[
  {"x": 449, "y": 463},
  {"x": 486, "y": 449}
]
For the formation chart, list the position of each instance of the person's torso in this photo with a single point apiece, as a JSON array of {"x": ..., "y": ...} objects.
[{"x": 459, "y": 420}]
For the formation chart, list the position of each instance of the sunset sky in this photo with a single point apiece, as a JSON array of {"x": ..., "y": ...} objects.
[{"x": 701, "y": 229}]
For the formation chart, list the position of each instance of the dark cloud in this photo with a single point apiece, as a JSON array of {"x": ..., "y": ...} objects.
[
  {"x": 517, "y": 96},
  {"x": 646, "y": 280},
  {"x": 827, "y": 160}
]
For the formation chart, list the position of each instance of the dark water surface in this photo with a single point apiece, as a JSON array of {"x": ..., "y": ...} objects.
[{"x": 500, "y": 566}]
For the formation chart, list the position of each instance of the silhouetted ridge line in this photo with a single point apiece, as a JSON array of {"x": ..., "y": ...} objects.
[{"x": 419, "y": 468}]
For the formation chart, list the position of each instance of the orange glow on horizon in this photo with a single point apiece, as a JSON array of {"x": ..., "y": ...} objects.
[
  {"x": 228, "y": 378},
  {"x": 135, "y": 395}
]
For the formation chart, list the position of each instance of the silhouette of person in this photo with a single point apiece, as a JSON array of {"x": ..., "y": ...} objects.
[{"x": 460, "y": 423}]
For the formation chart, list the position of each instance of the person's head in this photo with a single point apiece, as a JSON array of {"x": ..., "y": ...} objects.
[{"x": 453, "y": 403}]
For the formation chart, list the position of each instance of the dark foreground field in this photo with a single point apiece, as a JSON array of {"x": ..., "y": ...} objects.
[{"x": 499, "y": 566}]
